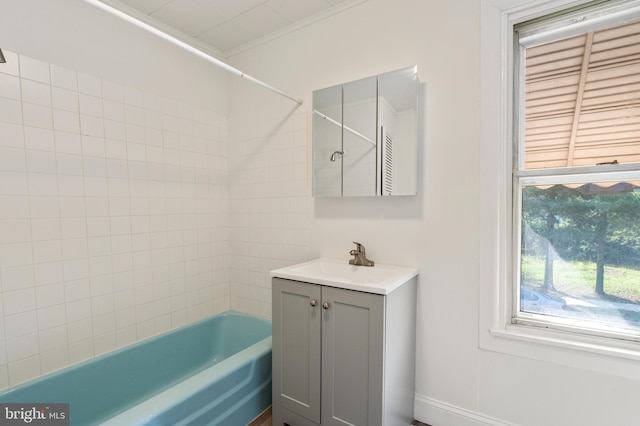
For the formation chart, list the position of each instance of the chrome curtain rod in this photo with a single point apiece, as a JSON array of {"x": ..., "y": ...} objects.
[
  {"x": 339, "y": 124},
  {"x": 202, "y": 54}
]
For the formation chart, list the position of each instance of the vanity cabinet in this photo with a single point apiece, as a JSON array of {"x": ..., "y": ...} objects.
[{"x": 342, "y": 356}]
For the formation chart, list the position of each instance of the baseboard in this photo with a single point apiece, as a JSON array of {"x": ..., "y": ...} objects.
[{"x": 438, "y": 413}]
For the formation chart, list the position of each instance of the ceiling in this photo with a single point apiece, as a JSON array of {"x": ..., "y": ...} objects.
[
  {"x": 228, "y": 25},
  {"x": 582, "y": 99}
]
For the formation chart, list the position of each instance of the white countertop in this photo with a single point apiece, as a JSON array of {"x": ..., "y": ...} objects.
[{"x": 378, "y": 279}]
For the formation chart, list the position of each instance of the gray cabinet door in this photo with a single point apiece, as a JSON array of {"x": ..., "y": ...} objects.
[
  {"x": 352, "y": 357},
  {"x": 296, "y": 347}
]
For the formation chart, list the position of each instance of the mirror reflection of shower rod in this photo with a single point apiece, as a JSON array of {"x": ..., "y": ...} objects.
[
  {"x": 202, "y": 54},
  {"x": 349, "y": 129}
]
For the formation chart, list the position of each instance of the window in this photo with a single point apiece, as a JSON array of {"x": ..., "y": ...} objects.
[{"x": 576, "y": 171}]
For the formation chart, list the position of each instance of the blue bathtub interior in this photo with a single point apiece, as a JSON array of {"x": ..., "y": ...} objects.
[{"x": 105, "y": 386}]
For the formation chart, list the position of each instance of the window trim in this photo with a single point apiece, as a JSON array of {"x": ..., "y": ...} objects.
[
  {"x": 576, "y": 21},
  {"x": 496, "y": 331},
  {"x": 571, "y": 21}
]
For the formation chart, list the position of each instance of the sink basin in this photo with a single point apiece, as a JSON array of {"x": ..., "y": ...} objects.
[{"x": 379, "y": 279}]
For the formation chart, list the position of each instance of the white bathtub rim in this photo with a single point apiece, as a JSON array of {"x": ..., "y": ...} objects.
[{"x": 147, "y": 410}]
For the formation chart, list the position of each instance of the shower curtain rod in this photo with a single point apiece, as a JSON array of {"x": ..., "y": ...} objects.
[
  {"x": 339, "y": 124},
  {"x": 186, "y": 46}
]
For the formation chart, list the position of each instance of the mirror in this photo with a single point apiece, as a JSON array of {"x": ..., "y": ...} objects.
[
  {"x": 327, "y": 127},
  {"x": 365, "y": 136}
]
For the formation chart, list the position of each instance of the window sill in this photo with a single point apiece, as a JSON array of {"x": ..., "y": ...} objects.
[{"x": 558, "y": 339}]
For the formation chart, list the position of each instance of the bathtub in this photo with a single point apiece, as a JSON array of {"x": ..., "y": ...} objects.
[{"x": 215, "y": 371}]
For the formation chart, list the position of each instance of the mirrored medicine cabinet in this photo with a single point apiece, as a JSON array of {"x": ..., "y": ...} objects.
[{"x": 365, "y": 136}]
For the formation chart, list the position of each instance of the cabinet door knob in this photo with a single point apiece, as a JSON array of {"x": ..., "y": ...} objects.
[
  {"x": 313, "y": 302},
  {"x": 325, "y": 305}
]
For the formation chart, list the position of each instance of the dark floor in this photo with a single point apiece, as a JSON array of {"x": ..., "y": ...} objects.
[{"x": 263, "y": 420}]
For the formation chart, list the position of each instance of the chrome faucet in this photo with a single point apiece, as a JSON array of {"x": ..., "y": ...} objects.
[{"x": 360, "y": 256}]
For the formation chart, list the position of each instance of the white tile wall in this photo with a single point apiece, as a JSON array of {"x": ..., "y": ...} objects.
[
  {"x": 268, "y": 202},
  {"x": 112, "y": 216}
]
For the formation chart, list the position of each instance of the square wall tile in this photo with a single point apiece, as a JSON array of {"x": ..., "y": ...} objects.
[
  {"x": 33, "y": 69},
  {"x": 66, "y": 121},
  {"x": 10, "y": 111},
  {"x": 24, "y": 369},
  {"x": 39, "y": 138},
  {"x": 12, "y": 159},
  {"x": 89, "y": 85},
  {"x": 21, "y": 324},
  {"x": 10, "y": 87},
  {"x": 18, "y": 301},
  {"x": 39, "y": 116},
  {"x": 112, "y": 206},
  {"x": 36, "y": 93},
  {"x": 64, "y": 78},
  {"x": 11, "y": 135}
]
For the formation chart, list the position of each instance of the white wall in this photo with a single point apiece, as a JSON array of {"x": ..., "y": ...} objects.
[
  {"x": 113, "y": 187},
  {"x": 438, "y": 230}
]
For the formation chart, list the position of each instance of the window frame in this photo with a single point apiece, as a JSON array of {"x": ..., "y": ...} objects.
[
  {"x": 549, "y": 28},
  {"x": 551, "y": 177},
  {"x": 496, "y": 330}
]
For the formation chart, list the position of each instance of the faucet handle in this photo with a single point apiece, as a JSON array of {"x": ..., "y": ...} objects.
[{"x": 360, "y": 257}]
